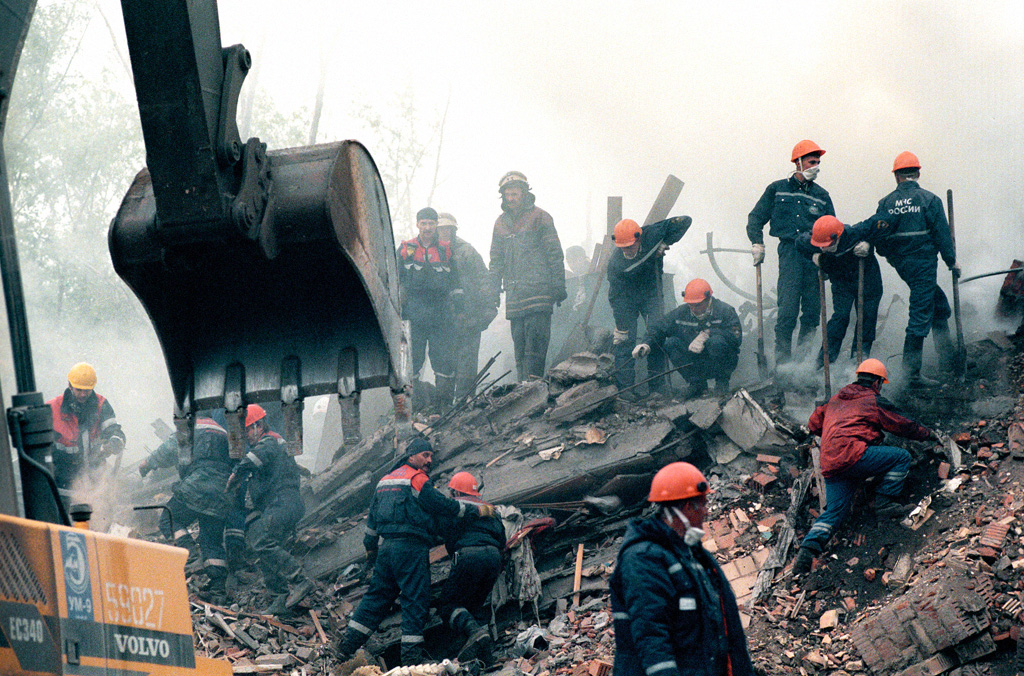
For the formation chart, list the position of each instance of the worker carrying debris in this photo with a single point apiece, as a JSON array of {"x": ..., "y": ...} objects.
[
  {"x": 403, "y": 512},
  {"x": 85, "y": 428},
  {"x": 478, "y": 307},
  {"x": 852, "y": 425},
  {"x": 634, "y": 289},
  {"x": 431, "y": 292},
  {"x": 271, "y": 476},
  {"x": 916, "y": 231},
  {"x": 673, "y": 608},
  {"x": 200, "y": 496},
  {"x": 476, "y": 548},
  {"x": 838, "y": 250},
  {"x": 792, "y": 205},
  {"x": 526, "y": 262},
  {"x": 702, "y": 338}
]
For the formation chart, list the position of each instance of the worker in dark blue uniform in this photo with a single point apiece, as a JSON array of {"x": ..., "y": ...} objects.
[
  {"x": 403, "y": 512},
  {"x": 702, "y": 336},
  {"x": 792, "y": 205},
  {"x": 917, "y": 231},
  {"x": 634, "y": 288},
  {"x": 674, "y": 611},
  {"x": 476, "y": 547},
  {"x": 838, "y": 250},
  {"x": 271, "y": 476}
]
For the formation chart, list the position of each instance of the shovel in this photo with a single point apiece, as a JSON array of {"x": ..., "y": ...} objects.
[
  {"x": 959, "y": 361},
  {"x": 824, "y": 334},
  {"x": 762, "y": 358},
  {"x": 860, "y": 310}
]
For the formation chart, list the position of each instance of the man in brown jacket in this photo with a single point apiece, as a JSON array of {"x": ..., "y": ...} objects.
[{"x": 526, "y": 261}]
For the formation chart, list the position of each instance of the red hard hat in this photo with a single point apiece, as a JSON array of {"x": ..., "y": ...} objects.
[
  {"x": 254, "y": 413},
  {"x": 627, "y": 232},
  {"x": 875, "y": 368},
  {"x": 678, "y": 481},
  {"x": 696, "y": 291},
  {"x": 906, "y": 160},
  {"x": 806, "y": 147},
  {"x": 825, "y": 231},
  {"x": 463, "y": 482}
]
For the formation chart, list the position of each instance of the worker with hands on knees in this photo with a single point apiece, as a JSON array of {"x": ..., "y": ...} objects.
[{"x": 673, "y": 608}]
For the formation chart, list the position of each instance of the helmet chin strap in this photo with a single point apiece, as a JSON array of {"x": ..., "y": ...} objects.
[{"x": 692, "y": 536}]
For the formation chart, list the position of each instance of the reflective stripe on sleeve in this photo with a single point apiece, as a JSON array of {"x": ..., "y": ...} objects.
[
  {"x": 656, "y": 668},
  {"x": 254, "y": 458}
]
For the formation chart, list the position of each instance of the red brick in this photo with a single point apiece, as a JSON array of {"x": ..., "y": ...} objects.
[{"x": 944, "y": 470}]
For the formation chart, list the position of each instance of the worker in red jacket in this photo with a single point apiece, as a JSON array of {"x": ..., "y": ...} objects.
[{"x": 851, "y": 425}]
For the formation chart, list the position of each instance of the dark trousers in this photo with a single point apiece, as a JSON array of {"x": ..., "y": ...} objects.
[
  {"x": 844, "y": 299},
  {"x": 464, "y": 597},
  {"x": 267, "y": 535},
  {"x": 928, "y": 304},
  {"x": 402, "y": 571},
  {"x": 626, "y": 319},
  {"x": 718, "y": 360},
  {"x": 530, "y": 335},
  {"x": 467, "y": 359},
  {"x": 888, "y": 462},
  {"x": 174, "y": 523},
  {"x": 798, "y": 297},
  {"x": 434, "y": 336}
]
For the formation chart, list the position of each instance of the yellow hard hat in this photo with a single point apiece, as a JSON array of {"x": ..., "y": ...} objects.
[{"x": 82, "y": 376}]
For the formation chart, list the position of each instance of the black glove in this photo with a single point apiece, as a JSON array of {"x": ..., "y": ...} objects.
[
  {"x": 371, "y": 562},
  {"x": 560, "y": 294},
  {"x": 144, "y": 469}
]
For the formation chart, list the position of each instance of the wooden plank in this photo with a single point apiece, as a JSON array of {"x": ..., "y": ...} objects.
[
  {"x": 578, "y": 578},
  {"x": 319, "y": 627}
]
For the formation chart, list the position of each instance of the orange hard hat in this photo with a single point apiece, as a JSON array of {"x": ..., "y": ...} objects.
[
  {"x": 678, "y": 481},
  {"x": 254, "y": 413},
  {"x": 875, "y": 368},
  {"x": 696, "y": 291},
  {"x": 627, "y": 232},
  {"x": 825, "y": 231},
  {"x": 806, "y": 147},
  {"x": 906, "y": 160},
  {"x": 464, "y": 482}
]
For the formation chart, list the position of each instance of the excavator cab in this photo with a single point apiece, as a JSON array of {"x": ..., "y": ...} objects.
[{"x": 269, "y": 276}]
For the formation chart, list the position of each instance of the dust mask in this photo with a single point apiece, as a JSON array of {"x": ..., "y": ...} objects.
[
  {"x": 810, "y": 173},
  {"x": 692, "y": 536},
  {"x": 831, "y": 248}
]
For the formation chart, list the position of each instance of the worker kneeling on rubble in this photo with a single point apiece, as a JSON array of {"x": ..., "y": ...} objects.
[
  {"x": 198, "y": 496},
  {"x": 404, "y": 512},
  {"x": 476, "y": 548},
  {"x": 702, "y": 338},
  {"x": 673, "y": 608},
  {"x": 272, "y": 479},
  {"x": 851, "y": 425}
]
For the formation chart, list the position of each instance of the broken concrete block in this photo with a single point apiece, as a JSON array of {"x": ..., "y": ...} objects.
[
  {"x": 704, "y": 412},
  {"x": 828, "y": 620},
  {"x": 581, "y": 366},
  {"x": 525, "y": 400},
  {"x": 722, "y": 450},
  {"x": 576, "y": 391},
  {"x": 581, "y": 405},
  {"x": 676, "y": 413},
  {"x": 745, "y": 422}
]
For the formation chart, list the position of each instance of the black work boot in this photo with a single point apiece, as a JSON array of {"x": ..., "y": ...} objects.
[
  {"x": 804, "y": 561},
  {"x": 303, "y": 585},
  {"x": 215, "y": 590},
  {"x": 695, "y": 388},
  {"x": 783, "y": 351},
  {"x": 278, "y": 606},
  {"x": 885, "y": 505},
  {"x": 347, "y": 646},
  {"x": 912, "y": 347},
  {"x": 412, "y": 654},
  {"x": 479, "y": 646}
]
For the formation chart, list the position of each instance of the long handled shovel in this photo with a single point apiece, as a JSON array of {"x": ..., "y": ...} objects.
[
  {"x": 960, "y": 361},
  {"x": 824, "y": 334},
  {"x": 860, "y": 310},
  {"x": 762, "y": 358}
]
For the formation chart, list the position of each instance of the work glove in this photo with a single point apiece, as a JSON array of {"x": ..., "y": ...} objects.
[
  {"x": 757, "y": 251},
  {"x": 697, "y": 345},
  {"x": 144, "y": 469},
  {"x": 816, "y": 259},
  {"x": 861, "y": 250},
  {"x": 619, "y": 336},
  {"x": 641, "y": 350},
  {"x": 662, "y": 249},
  {"x": 560, "y": 294},
  {"x": 955, "y": 269},
  {"x": 486, "y": 511},
  {"x": 240, "y": 474}
]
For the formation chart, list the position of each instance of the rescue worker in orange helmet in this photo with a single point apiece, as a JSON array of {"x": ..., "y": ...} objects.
[
  {"x": 852, "y": 427},
  {"x": 86, "y": 431},
  {"x": 271, "y": 476},
  {"x": 527, "y": 264},
  {"x": 673, "y": 608},
  {"x": 635, "y": 270},
  {"x": 476, "y": 547},
  {"x": 792, "y": 205},
  {"x": 702, "y": 336},
  {"x": 917, "y": 232}
]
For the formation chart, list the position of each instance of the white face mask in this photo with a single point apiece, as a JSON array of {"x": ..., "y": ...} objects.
[
  {"x": 810, "y": 173},
  {"x": 692, "y": 536},
  {"x": 831, "y": 248}
]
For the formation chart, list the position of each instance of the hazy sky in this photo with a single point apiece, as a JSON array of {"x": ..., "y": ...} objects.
[{"x": 591, "y": 99}]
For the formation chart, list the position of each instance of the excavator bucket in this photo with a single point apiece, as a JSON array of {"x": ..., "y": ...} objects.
[
  {"x": 309, "y": 308},
  {"x": 268, "y": 276}
]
